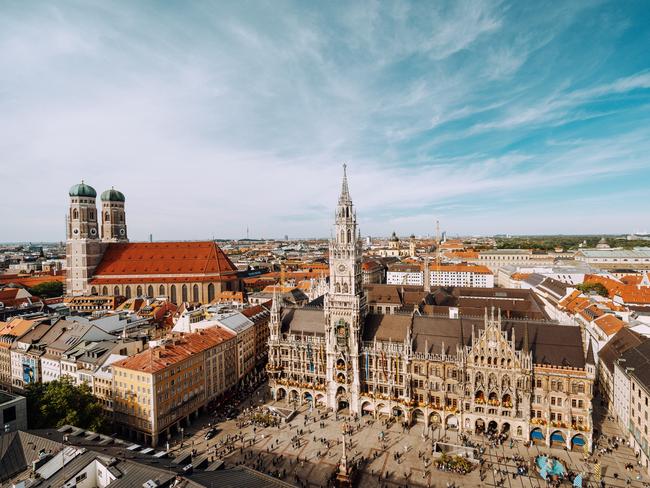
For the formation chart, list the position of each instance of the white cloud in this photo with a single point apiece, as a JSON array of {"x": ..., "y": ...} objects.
[{"x": 242, "y": 119}]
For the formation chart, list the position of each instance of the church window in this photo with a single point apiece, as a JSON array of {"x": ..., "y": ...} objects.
[
  {"x": 127, "y": 291},
  {"x": 107, "y": 217},
  {"x": 93, "y": 291},
  {"x": 349, "y": 236},
  {"x": 337, "y": 288},
  {"x": 210, "y": 292},
  {"x": 138, "y": 291},
  {"x": 150, "y": 291},
  {"x": 75, "y": 214},
  {"x": 161, "y": 290},
  {"x": 104, "y": 291},
  {"x": 345, "y": 287},
  {"x": 91, "y": 215},
  {"x": 184, "y": 293},
  {"x": 195, "y": 293}
]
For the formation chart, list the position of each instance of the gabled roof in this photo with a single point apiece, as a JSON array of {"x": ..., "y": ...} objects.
[
  {"x": 623, "y": 340},
  {"x": 164, "y": 258},
  {"x": 178, "y": 349},
  {"x": 609, "y": 324},
  {"x": 637, "y": 363}
]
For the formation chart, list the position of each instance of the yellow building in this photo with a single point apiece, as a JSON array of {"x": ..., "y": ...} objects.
[{"x": 157, "y": 391}]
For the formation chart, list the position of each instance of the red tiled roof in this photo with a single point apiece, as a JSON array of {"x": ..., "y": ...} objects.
[
  {"x": 609, "y": 324},
  {"x": 30, "y": 281},
  {"x": 164, "y": 258},
  {"x": 178, "y": 350},
  {"x": 462, "y": 254},
  {"x": 118, "y": 280},
  {"x": 629, "y": 293}
]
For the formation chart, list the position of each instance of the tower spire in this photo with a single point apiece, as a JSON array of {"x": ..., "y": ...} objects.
[{"x": 345, "y": 192}]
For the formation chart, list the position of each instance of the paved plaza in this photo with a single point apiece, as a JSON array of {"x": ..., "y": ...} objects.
[{"x": 306, "y": 451}]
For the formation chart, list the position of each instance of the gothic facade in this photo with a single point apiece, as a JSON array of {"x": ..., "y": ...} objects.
[{"x": 530, "y": 380}]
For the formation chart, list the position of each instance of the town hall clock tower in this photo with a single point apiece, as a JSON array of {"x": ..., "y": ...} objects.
[{"x": 345, "y": 308}]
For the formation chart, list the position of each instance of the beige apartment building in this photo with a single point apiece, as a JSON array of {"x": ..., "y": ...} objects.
[{"x": 159, "y": 391}]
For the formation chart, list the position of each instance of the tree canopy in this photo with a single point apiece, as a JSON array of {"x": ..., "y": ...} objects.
[
  {"x": 61, "y": 402},
  {"x": 597, "y": 288},
  {"x": 49, "y": 289}
]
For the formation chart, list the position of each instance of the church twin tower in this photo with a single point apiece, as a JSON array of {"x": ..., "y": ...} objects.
[{"x": 86, "y": 240}]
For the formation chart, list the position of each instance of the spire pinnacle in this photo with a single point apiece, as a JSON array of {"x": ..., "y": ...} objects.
[{"x": 345, "y": 193}]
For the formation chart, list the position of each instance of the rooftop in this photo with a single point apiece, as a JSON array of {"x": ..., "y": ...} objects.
[
  {"x": 164, "y": 258},
  {"x": 175, "y": 350}
]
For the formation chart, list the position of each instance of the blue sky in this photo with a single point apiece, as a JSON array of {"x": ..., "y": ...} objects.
[{"x": 493, "y": 117}]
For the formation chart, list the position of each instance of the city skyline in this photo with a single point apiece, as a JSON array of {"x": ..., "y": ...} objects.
[{"x": 492, "y": 118}]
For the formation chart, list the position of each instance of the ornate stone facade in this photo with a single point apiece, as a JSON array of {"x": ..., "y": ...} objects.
[{"x": 531, "y": 380}]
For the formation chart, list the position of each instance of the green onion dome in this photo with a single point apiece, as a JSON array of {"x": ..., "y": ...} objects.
[{"x": 82, "y": 190}]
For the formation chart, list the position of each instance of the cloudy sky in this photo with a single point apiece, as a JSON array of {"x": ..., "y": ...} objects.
[{"x": 493, "y": 117}]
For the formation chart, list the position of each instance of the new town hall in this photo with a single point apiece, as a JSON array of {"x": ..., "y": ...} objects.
[{"x": 531, "y": 380}]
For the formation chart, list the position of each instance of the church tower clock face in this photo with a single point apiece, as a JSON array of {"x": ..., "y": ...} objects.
[{"x": 342, "y": 267}]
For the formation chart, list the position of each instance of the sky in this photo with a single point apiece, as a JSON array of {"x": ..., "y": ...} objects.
[{"x": 217, "y": 117}]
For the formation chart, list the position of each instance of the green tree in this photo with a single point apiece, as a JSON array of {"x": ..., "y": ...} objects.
[
  {"x": 597, "y": 288},
  {"x": 49, "y": 289},
  {"x": 62, "y": 402}
]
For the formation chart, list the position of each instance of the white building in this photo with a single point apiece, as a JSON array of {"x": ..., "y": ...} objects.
[
  {"x": 442, "y": 275},
  {"x": 621, "y": 390},
  {"x": 404, "y": 274},
  {"x": 637, "y": 259}
]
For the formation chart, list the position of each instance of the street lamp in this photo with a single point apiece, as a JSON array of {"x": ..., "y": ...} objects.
[{"x": 182, "y": 433}]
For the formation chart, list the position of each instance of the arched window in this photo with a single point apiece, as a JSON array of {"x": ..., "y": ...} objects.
[
  {"x": 195, "y": 293},
  {"x": 349, "y": 236},
  {"x": 91, "y": 215},
  {"x": 138, "y": 291},
  {"x": 116, "y": 291},
  {"x": 184, "y": 293},
  {"x": 337, "y": 288},
  {"x": 210, "y": 292},
  {"x": 127, "y": 292},
  {"x": 161, "y": 290},
  {"x": 93, "y": 291},
  {"x": 121, "y": 218},
  {"x": 75, "y": 214},
  {"x": 172, "y": 292},
  {"x": 107, "y": 217},
  {"x": 150, "y": 291},
  {"x": 104, "y": 291},
  {"x": 345, "y": 287}
]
